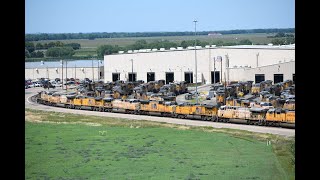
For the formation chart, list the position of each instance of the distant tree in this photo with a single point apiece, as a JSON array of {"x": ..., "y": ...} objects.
[
  {"x": 105, "y": 50},
  {"x": 60, "y": 52},
  {"x": 29, "y": 46},
  {"x": 245, "y": 42},
  {"x": 39, "y": 54},
  {"x": 26, "y": 53},
  {"x": 218, "y": 43},
  {"x": 39, "y": 46},
  {"x": 58, "y": 44},
  {"x": 91, "y": 37},
  {"x": 280, "y": 34},
  {"x": 278, "y": 41},
  {"x": 75, "y": 46}
]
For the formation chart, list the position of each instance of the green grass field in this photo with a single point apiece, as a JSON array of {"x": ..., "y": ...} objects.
[{"x": 66, "y": 146}]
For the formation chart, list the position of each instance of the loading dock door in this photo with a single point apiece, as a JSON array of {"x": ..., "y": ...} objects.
[
  {"x": 277, "y": 78},
  {"x": 115, "y": 77},
  {"x": 215, "y": 75},
  {"x": 258, "y": 78},
  {"x": 150, "y": 76},
  {"x": 132, "y": 77},
  {"x": 169, "y": 77},
  {"x": 188, "y": 77},
  {"x": 293, "y": 78}
]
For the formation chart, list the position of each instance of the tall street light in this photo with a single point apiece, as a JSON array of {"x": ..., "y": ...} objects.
[
  {"x": 42, "y": 63},
  {"x": 61, "y": 62},
  {"x": 66, "y": 75},
  {"x": 92, "y": 71},
  {"x": 131, "y": 69},
  {"x": 99, "y": 69},
  {"x": 195, "y": 57}
]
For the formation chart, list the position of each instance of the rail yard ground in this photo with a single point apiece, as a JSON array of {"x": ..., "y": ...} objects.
[{"x": 71, "y": 146}]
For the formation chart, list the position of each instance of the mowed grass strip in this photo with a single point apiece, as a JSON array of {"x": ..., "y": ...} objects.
[{"x": 67, "y": 146}]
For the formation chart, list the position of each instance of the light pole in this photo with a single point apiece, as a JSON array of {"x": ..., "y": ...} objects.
[
  {"x": 66, "y": 75},
  {"x": 61, "y": 61},
  {"x": 99, "y": 69},
  {"x": 195, "y": 57},
  {"x": 214, "y": 70},
  {"x": 42, "y": 63},
  {"x": 131, "y": 70},
  {"x": 92, "y": 71}
]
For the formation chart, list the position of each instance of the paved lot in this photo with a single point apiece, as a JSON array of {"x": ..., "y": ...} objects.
[{"x": 260, "y": 129}]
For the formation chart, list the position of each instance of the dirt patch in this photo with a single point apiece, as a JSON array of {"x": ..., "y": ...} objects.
[
  {"x": 31, "y": 117},
  {"x": 63, "y": 122}
]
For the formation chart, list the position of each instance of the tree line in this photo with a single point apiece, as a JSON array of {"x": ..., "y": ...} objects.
[
  {"x": 63, "y": 36},
  {"x": 142, "y": 44},
  {"x": 282, "y": 39},
  {"x": 54, "y": 49}
]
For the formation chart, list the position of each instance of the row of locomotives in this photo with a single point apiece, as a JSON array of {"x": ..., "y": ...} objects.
[
  {"x": 193, "y": 111},
  {"x": 159, "y": 108},
  {"x": 280, "y": 117}
]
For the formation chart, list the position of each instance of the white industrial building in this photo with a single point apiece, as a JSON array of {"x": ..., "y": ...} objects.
[
  {"x": 231, "y": 63},
  {"x": 79, "y": 69}
]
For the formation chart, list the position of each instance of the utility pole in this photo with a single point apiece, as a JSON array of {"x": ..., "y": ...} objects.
[
  {"x": 195, "y": 57},
  {"x": 92, "y": 71},
  {"x": 221, "y": 69},
  {"x": 257, "y": 59},
  {"x": 131, "y": 70},
  {"x": 214, "y": 70},
  {"x": 98, "y": 70},
  {"x": 62, "y": 74},
  {"x": 75, "y": 71},
  {"x": 66, "y": 75}
]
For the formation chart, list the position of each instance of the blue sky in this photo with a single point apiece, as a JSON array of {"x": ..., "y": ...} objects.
[{"x": 74, "y": 16}]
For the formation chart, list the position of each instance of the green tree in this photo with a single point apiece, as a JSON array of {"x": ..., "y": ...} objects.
[
  {"x": 39, "y": 46},
  {"x": 245, "y": 42},
  {"x": 105, "y": 50},
  {"x": 280, "y": 34},
  {"x": 75, "y": 46},
  {"x": 60, "y": 52},
  {"x": 278, "y": 41},
  {"x": 29, "y": 46},
  {"x": 26, "y": 53}
]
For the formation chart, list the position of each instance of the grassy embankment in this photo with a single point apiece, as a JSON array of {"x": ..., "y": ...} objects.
[{"x": 68, "y": 146}]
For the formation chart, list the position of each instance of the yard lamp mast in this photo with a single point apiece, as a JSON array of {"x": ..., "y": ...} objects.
[
  {"x": 214, "y": 70},
  {"x": 99, "y": 69},
  {"x": 66, "y": 75},
  {"x": 195, "y": 57},
  {"x": 131, "y": 69},
  {"x": 61, "y": 61},
  {"x": 92, "y": 71}
]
